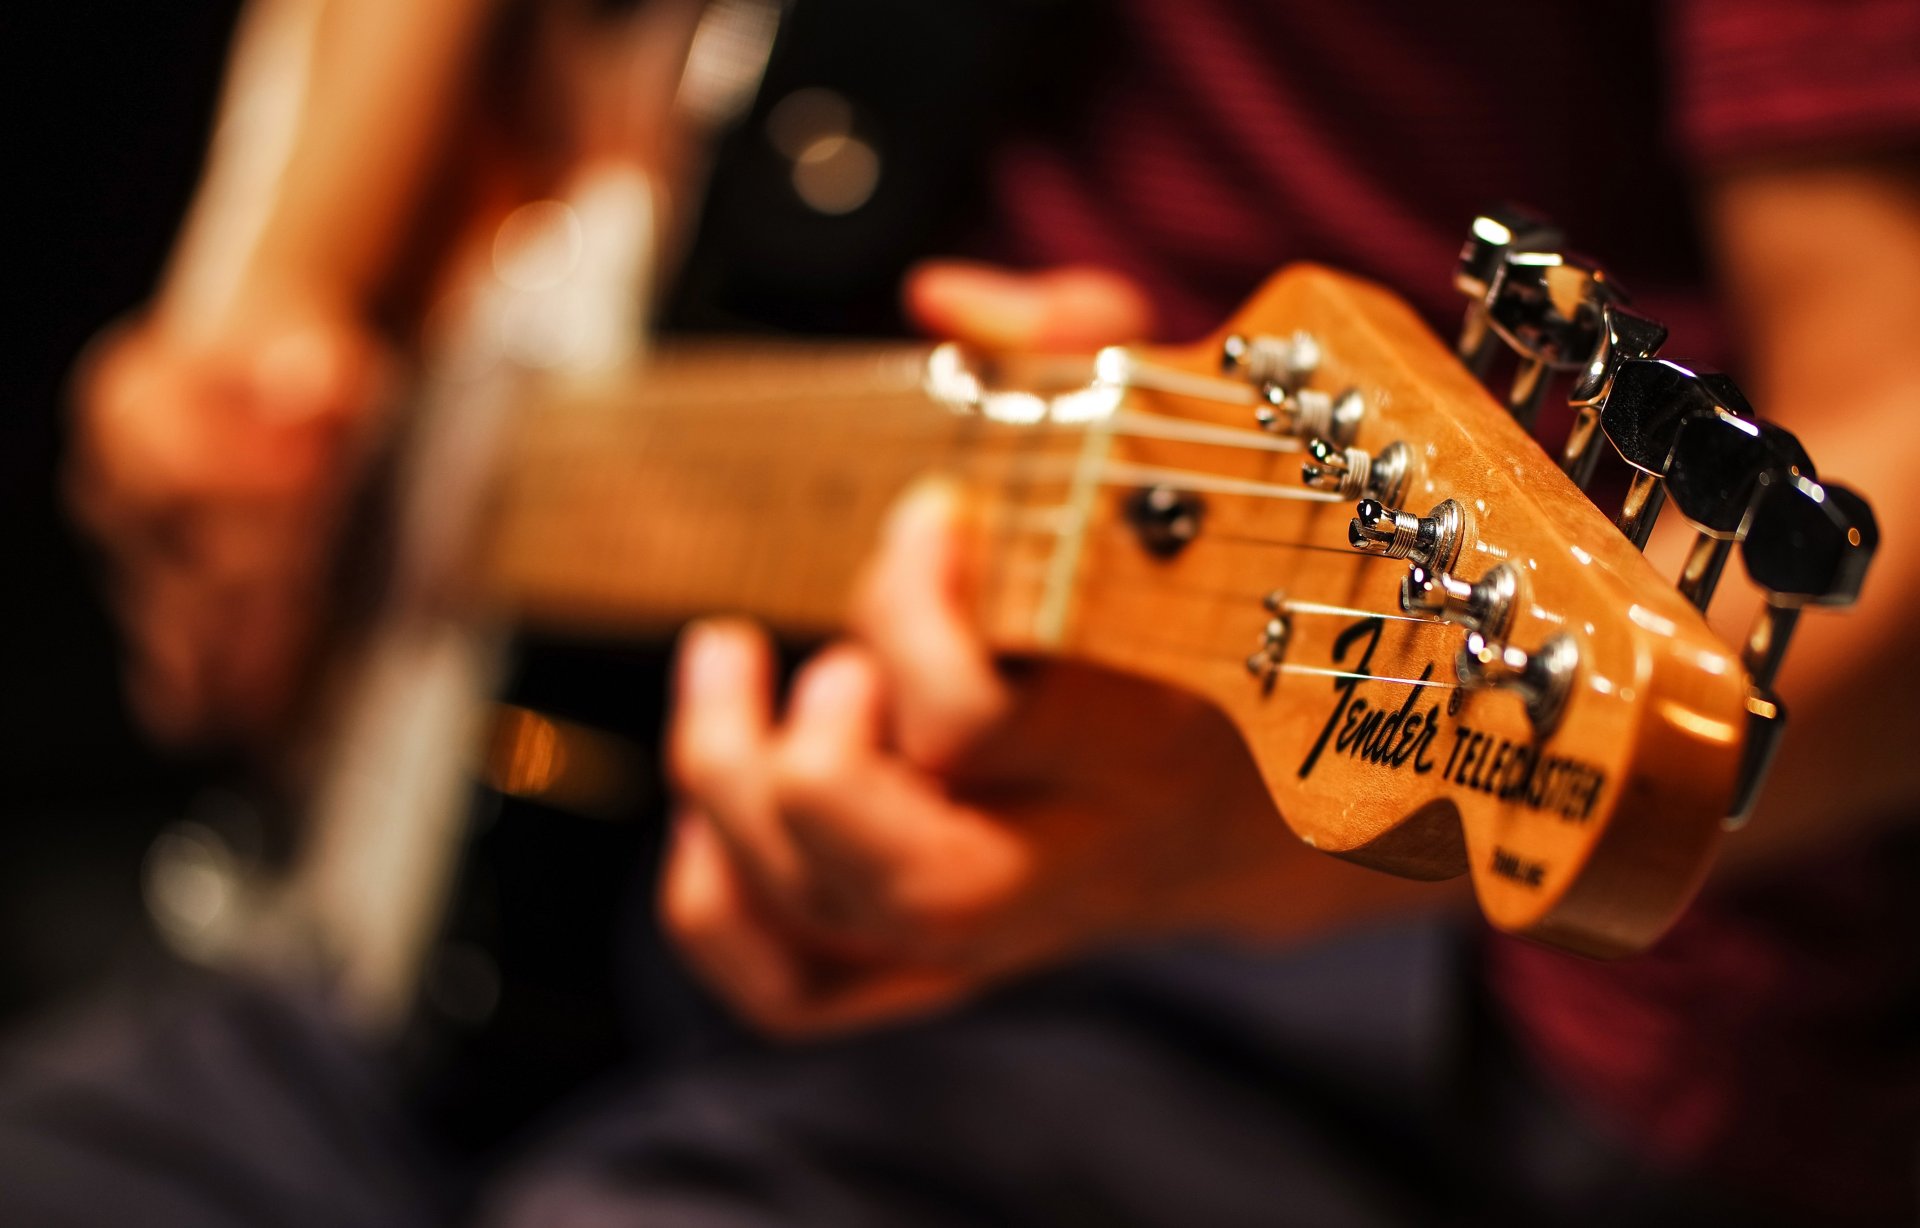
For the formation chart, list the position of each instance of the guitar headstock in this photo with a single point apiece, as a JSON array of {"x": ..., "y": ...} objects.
[{"x": 1443, "y": 656}]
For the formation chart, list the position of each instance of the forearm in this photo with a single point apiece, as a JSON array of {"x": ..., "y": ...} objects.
[
  {"x": 334, "y": 118},
  {"x": 1822, "y": 268}
]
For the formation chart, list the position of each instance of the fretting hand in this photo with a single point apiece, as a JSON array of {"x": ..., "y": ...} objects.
[{"x": 920, "y": 822}]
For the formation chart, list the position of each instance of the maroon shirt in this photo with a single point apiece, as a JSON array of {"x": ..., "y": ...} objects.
[{"x": 1772, "y": 1040}]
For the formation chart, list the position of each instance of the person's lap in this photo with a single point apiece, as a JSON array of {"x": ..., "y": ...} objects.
[{"x": 1350, "y": 1083}]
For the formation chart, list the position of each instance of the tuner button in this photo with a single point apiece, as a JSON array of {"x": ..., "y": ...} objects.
[
  {"x": 1717, "y": 463},
  {"x": 1546, "y": 305},
  {"x": 1431, "y": 541},
  {"x": 1714, "y": 473},
  {"x": 1541, "y": 679},
  {"x": 1804, "y": 543},
  {"x": 1649, "y": 398},
  {"x": 1485, "y": 605},
  {"x": 1808, "y": 543},
  {"x": 1266, "y": 361},
  {"x": 1624, "y": 335},
  {"x": 1491, "y": 236},
  {"x": 1642, "y": 413}
]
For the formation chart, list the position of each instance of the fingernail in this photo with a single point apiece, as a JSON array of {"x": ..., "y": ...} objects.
[
  {"x": 930, "y": 502},
  {"x": 707, "y": 661}
]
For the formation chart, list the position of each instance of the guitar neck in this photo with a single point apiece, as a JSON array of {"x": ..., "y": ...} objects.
[{"x": 754, "y": 480}]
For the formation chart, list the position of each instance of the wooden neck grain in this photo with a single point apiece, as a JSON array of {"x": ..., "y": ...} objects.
[{"x": 754, "y": 481}]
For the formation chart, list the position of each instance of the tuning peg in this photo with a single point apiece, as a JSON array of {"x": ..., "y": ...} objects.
[
  {"x": 1541, "y": 679},
  {"x": 1804, "y": 543},
  {"x": 1641, "y": 415},
  {"x": 1268, "y": 362},
  {"x": 1489, "y": 238},
  {"x": 1353, "y": 473},
  {"x": 1716, "y": 468},
  {"x": 1431, "y": 541},
  {"x": 1307, "y": 413},
  {"x": 1486, "y": 605},
  {"x": 1547, "y": 306},
  {"x": 1623, "y": 335}
]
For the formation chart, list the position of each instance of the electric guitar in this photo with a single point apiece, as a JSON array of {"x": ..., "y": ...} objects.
[{"x": 1442, "y": 656}]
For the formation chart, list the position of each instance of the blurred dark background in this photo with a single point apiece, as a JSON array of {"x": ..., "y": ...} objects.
[{"x": 106, "y": 109}]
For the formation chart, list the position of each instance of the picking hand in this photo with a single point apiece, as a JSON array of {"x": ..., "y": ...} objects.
[{"x": 213, "y": 476}]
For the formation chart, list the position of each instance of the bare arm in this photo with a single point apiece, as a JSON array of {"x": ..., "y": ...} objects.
[
  {"x": 1822, "y": 266},
  {"x": 335, "y": 113},
  {"x": 216, "y": 434}
]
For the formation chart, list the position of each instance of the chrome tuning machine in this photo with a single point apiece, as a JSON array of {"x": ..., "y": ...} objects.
[
  {"x": 1492, "y": 235},
  {"x": 1526, "y": 291},
  {"x": 1431, "y": 541},
  {"x": 1268, "y": 362},
  {"x": 1308, "y": 413},
  {"x": 1354, "y": 473},
  {"x": 1542, "y": 679},
  {"x": 1485, "y": 605}
]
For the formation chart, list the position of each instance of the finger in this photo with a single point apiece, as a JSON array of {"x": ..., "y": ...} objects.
[
  {"x": 720, "y": 746},
  {"x": 847, "y": 1001},
  {"x": 913, "y": 609},
  {"x": 772, "y": 982},
  {"x": 163, "y": 613},
  {"x": 707, "y": 909},
  {"x": 1076, "y": 308}
]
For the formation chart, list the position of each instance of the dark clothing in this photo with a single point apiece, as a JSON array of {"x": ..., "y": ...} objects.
[
  {"x": 1357, "y": 1083},
  {"x": 1223, "y": 138}
]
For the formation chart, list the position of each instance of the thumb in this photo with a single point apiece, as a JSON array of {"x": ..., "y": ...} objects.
[{"x": 1071, "y": 309}]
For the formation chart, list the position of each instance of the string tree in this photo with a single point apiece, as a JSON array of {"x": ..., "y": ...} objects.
[
  {"x": 1542, "y": 679},
  {"x": 1354, "y": 473},
  {"x": 1641, "y": 414},
  {"x": 1265, "y": 661},
  {"x": 1718, "y": 464},
  {"x": 1165, "y": 518}
]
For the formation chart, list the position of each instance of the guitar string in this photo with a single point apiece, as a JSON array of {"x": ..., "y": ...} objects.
[{"x": 1284, "y": 667}]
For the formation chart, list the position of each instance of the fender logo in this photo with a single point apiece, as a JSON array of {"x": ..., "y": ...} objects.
[
  {"x": 1402, "y": 736},
  {"x": 1394, "y": 738}
]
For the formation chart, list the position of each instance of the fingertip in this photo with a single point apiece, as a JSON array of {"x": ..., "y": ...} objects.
[
  {"x": 1089, "y": 307},
  {"x": 841, "y": 686},
  {"x": 976, "y": 303},
  {"x": 719, "y": 658}
]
